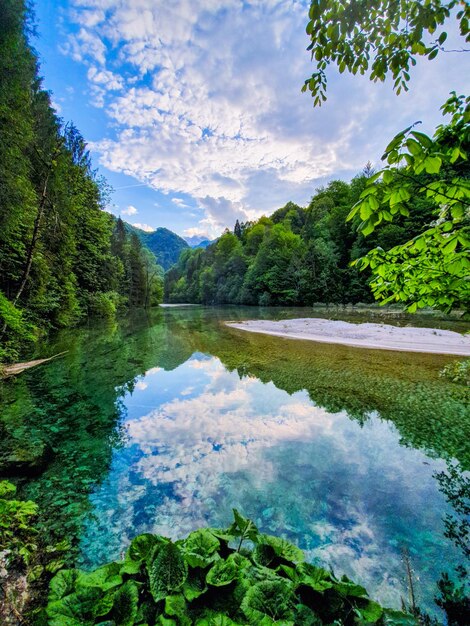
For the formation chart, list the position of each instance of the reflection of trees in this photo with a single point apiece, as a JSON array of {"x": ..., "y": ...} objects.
[
  {"x": 453, "y": 594},
  {"x": 58, "y": 422},
  {"x": 453, "y": 590},
  {"x": 404, "y": 388},
  {"x": 455, "y": 485}
]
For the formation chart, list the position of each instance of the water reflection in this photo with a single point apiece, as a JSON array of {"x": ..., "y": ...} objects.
[{"x": 201, "y": 439}]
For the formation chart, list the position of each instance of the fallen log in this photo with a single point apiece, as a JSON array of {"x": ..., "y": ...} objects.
[{"x": 17, "y": 368}]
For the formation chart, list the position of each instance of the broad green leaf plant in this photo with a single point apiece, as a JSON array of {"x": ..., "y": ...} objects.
[{"x": 215, "y": 577}]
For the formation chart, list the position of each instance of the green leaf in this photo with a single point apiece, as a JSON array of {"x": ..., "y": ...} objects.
[
  {"x": 125, "y": 604},
  {"x": 195, "y": 584},
  {"x": 414, "y": 147},
  {"x": 130, "y": 567},
  {"x": 80, "y": 607},
  {"x": 142, "y": 546},
  {"x": 387, "y": 176},
  {"x": 55, "y": 565},
  {"x": 304, "y": 616},
  {"x": 106, "y": 577},
  {"x": 216, "y": 619},
  {"x": 365, "y": 210},
  {"x": 223, "y": 572},
  {"x": 175, "y": 605},
  {"x": 371, "y": 613},
  {"x": 168, "y": 572},
  {"x": 315, "y": 577},
  {"x": 367, "y": 228},
  {"x": 450, "y": 246},
  {"x": 200, "y": 548},
  {"x": 397, "y": 618},
  {"x": 63, "y": 584},
  {"x": 269, "y": 602},
  {"x": 264, "y": 554},
  {"x": 282, "y": 548},
  {"x": 7, "y": 489},
  {"x": 346, "y": 588},
  {"x": 423, "y": 139},
  {"x": 165, "y": 621},
  {"x": 432, "y": 164}
]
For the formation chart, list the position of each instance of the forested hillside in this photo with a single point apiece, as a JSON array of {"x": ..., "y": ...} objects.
[
  {"x": 298, "y": 256},
  {"x": 61, "y": 256},
  {"x": 163, "y": 243}
]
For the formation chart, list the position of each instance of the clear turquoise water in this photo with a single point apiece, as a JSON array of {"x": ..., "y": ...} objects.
[{"x": 164, "y": 423}]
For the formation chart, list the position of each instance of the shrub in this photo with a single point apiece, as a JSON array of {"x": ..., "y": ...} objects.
[
  {"x": 104, "y": 305},
  {"x": 15, "y": 330}
]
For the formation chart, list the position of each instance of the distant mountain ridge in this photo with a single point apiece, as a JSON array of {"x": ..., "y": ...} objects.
[
  {"x": 165, "y": 244},
  {"x": 198, "y": 242}
]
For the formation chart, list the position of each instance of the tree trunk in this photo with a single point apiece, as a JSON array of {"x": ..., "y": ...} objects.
[{"x": 34, "y": 238}]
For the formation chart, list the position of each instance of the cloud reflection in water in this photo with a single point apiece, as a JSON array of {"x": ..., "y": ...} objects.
[{"x": 201, "y": 441}]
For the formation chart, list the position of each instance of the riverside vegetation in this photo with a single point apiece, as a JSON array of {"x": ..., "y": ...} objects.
[{"x": 63, "y": 258}]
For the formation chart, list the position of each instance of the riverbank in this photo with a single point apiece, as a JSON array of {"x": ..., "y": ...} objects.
[{"x": 367, "y": 335}]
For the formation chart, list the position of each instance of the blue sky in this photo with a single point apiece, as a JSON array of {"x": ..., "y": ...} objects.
[{"x": 193, "y": 111}]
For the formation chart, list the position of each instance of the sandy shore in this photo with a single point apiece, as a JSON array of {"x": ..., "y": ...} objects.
[{"x": 376, "y": 336}]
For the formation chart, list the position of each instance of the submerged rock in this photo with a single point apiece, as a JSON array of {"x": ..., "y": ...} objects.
[
  {"x": 20, "y": 461},
  {"x": 14, "y": 592}
]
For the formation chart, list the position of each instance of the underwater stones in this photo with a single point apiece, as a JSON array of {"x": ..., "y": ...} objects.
[
  {"x": 22, "y": 461},
  {"x": 14, "y": 592}
]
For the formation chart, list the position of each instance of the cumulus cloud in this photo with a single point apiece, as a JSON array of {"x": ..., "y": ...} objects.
[
  {"x": 146, "y": 227},
  {"x": 105, "y": 78},
  {"x": 196, "y": 231},
  {"x": 131, "y": 210},
  {"x": 204, "y": 99}
]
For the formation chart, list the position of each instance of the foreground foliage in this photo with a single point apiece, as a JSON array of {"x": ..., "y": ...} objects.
[
  {"x": 432, "y": 269},
  {"x": 378, "y": 38},
  {"x": 212, "y": 578},
  {"x": 457, "y": 372}
]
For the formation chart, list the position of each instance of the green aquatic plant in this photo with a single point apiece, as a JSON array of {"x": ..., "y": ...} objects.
[
  {"x": 215, "y": 577},
  {"x": 457, "y": 372},
  {"x": 26, "y": 563}
]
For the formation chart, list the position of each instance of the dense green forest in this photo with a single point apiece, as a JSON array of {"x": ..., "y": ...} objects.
[
  {"x": 61, "y": 256},
  {"x": 298, "y": 256}
]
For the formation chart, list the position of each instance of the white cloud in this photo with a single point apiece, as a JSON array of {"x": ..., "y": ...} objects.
[
  {"x": 146, "y": 227},
  {"x": 180, "y": 202},
  {"x": 131, "y": 210},
  {"x": 212, "y": 108},
  {"x": 196, "y": 231},
  {"x": 105, "y": 78}
]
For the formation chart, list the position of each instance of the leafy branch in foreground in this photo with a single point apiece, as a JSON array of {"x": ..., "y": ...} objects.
[
  {"x": 210, "y": 579},
  {"x": 432, "y": 269},
  {"x": 378, "y": 37}
]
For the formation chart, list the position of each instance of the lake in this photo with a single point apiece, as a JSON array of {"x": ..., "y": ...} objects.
[{"x": 164, "y": 421}]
